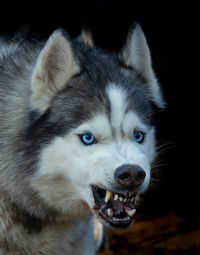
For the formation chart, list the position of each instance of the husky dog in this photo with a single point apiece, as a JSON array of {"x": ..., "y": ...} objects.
[{"x": 76, "y": 140}]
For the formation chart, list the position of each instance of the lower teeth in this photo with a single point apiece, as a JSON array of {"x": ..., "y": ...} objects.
[
  {"x": 131, "y": 213},
  {"x": 118, "y": 219},
  {"x": 110, "y": 212}
]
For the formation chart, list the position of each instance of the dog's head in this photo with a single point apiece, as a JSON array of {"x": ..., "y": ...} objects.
[{"x": 92, "y": 126}]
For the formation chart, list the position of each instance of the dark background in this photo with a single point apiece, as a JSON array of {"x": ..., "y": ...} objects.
[{"x": 171, "y": 36}]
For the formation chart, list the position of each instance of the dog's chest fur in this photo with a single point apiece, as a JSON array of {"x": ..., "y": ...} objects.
[{"x": 21, "y": 234}]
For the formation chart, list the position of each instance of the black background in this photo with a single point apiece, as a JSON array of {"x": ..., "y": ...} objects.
[{"x": 171, "y": 35}]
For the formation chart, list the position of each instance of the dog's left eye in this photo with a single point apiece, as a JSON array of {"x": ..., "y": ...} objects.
[
  {"x": 87, "y": 138},
  {"x": 138, "y": 136}
]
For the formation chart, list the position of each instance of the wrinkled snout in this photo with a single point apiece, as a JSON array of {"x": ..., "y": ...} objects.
[{"x": 130, "y": 176}]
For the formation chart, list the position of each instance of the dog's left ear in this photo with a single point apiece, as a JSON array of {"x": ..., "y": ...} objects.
[
  {"x": 136, "y": 54},
  {"x": 55, "y": 65}
]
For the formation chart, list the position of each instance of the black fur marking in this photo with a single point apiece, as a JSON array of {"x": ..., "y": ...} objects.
[
  {"x": 32, "y": 224},
  {"x": 33, "y": 115}
]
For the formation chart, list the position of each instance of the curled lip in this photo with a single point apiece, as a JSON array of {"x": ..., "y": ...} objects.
[{"x": 115, "y": 209}]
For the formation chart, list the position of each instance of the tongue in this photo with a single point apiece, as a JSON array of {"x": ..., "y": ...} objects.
[{"x": 116, "y": 204}]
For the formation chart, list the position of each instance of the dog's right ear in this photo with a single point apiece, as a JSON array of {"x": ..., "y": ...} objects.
[{"x": 55, "y": 65}]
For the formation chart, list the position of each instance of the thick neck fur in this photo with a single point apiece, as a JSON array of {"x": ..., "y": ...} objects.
[{"x": 24, "y": 234}]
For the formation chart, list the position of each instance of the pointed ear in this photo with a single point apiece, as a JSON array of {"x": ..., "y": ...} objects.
[
  {"x": 87, "y": 37},
  {"x": 55, "y": 65},
  {"x": 136, "y": 54}
]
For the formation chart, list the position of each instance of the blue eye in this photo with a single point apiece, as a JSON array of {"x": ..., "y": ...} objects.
[
  {"x": 87, "y": 138},
  {"x": 138, "y": 136}
]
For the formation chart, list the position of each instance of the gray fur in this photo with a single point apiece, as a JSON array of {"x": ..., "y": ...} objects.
[{"x": 25, "y": 131}]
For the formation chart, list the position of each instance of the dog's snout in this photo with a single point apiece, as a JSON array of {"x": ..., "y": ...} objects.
[{"x": 130, "y": 176}]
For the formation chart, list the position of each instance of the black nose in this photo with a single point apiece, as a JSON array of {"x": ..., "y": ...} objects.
[{"x": 130, "y": 176}]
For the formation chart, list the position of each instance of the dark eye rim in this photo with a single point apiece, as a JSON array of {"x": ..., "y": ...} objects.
[
  {"x": 143, "y": 136},
  {"x": 87, "y": 133}
]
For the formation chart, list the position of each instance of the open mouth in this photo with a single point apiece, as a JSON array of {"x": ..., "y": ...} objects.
[{"x": 115, "y": 209}]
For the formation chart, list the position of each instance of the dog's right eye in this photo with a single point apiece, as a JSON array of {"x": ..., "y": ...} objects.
[{"x": 87, "y": 138}]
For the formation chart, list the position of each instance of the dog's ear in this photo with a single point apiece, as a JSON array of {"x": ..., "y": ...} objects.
[
  {"x": 55, "y": 65},
  {"x": 86, "y": 36},
  {"x": 136, "y": 54}
]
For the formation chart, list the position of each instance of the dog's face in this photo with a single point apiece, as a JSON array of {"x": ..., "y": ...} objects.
[{"x": 102, "y": 146}]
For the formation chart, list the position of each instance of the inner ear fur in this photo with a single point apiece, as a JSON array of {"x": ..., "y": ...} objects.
[{"x": 55, "y": 65}]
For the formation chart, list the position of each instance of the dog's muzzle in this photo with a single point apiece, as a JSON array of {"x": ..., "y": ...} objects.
[{"x": 117, "y": 208}]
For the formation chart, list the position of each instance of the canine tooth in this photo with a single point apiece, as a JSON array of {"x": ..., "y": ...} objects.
[
  {"x": 137, "y": 197},
  {"x": 110, "y": 212},
  {"x": 121, "y": 199},
  {"x": 131, "y": 213},
  {"x": 116, "y": 197},
  {"x": 108, "y": 196},
  {"x": 125, "y": 199}
]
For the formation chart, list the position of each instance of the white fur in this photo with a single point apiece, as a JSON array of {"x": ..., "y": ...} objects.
[
  {"x": 68, "y": 167},
  {"x": 117, "y": 99}
]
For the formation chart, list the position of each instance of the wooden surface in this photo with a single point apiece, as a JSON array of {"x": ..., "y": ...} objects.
[{"x": 154, "y": 237}]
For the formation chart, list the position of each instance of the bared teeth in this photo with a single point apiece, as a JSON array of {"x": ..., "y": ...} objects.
[
  {"x": 110, "y": 212},
  {"x": 108, "y": 196},
  {"x": 131, "y": 213},
  {"x": 121, "y": 199}
]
